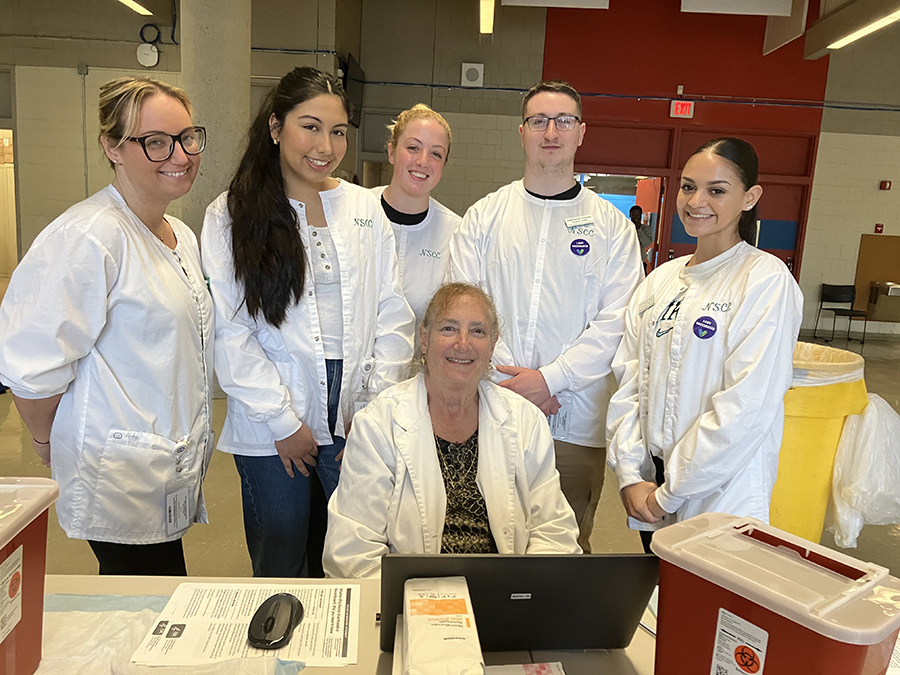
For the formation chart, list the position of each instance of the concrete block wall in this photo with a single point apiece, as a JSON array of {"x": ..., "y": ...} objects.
[
  {"x": 486, "y": 154},
  {"x": 858, "y": 149},
  {"x": 51, "y": 143},
  {"x": 426, "y": 42},
  {"x": 845, "y": 204}
]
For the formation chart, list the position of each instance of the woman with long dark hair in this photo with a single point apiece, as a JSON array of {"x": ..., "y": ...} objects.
[
  {"x": 705, "y": 361},
  {"x": 310, "y": 318}
]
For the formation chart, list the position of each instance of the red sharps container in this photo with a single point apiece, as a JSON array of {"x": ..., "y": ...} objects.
[
  {"x": 23, "y": 556},
  {"x": 738, "y": 596}
]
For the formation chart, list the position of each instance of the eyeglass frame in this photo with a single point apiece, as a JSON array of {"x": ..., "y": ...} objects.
[
  {"x": 527, "y": 121},
  {"x": 143, "y": 140}
]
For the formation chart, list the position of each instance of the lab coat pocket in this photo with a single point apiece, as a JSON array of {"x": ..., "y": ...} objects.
[{"x": 133, "y": 475}]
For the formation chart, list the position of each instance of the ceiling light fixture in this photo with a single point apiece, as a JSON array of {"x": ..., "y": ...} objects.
[
  {"x": 140, "y": 9},
  {"x": 866, "y": 30},
  {"x": 487, "y": 16}
]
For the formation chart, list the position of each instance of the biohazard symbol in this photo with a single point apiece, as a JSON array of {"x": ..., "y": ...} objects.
[
  {"x": 747, "y": 659},
  {"x": 14, "y": 584}
]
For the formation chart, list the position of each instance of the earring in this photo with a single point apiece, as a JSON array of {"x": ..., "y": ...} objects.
[
  {"x": 423, "y": 358},
  {"x": 275, "y": 141}
]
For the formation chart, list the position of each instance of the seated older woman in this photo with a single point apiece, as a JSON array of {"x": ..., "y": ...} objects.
[{"x": 447, "y": 461}]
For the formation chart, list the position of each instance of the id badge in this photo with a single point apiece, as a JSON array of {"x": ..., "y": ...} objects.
[
  {"x": 559, "y": 423},
  {"x": 179, "y": 493}
]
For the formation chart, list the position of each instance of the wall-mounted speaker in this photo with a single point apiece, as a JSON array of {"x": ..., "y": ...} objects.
[{"x": 473, "y": 74}]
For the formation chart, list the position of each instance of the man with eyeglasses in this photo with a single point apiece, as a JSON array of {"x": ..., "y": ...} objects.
[{"x": 561, "y": 265}]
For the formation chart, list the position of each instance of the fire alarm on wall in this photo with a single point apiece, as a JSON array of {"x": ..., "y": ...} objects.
[
  {"x": 879, "y": 228},
  {"x": 885, "y": 185}
]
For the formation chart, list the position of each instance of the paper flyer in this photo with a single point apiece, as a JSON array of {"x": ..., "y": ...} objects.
[{"x": 205, "y": 623}]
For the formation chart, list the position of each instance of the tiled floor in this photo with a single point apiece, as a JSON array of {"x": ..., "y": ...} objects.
[{"x": 219, "y": 549}]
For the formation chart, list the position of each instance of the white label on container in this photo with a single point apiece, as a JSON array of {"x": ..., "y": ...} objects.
[
  {"x": 10, "y": 593},
  {"x": 740, "y": 646}
]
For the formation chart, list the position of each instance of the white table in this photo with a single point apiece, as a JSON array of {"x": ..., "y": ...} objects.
[{"x": 637, "y": 659}]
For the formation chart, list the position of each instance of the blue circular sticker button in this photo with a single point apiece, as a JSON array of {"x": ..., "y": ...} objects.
[
  {"x": 580, "y": 247},
  {"x": 705, "y": 327}
]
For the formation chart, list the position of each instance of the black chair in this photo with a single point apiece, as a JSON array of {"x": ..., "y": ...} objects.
[{"x": 844, "y": 295}]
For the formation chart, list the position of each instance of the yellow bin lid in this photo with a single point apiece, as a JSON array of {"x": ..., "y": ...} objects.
[{"x": 818, "y": 365}]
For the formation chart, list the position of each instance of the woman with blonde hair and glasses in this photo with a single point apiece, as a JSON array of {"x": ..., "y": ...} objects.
[
  {"x": 418, "y": 149},
  {"x": 106, "y": 341}
]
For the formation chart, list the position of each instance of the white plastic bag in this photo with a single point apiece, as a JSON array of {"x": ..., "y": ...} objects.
[{"x": 866, "y": 484}]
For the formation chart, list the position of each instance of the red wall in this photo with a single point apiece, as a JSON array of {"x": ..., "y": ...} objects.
[
  {"x": 646, "y": 48},
  {"x": 649, "y": 47}
]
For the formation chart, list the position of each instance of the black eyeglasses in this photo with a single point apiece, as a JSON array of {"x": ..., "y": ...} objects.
[
  {"x": 562, "y": 122},
  {"x": 159, "y": 146}
]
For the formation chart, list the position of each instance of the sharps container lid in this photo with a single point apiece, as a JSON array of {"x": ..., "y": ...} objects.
[
  {"x": 826, "y": 591},
  {"x": 21, "y": 501}
]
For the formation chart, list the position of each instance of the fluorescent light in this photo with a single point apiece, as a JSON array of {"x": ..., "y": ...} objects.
[
  {"x": 140, "y": 9},
  {"x": 866, "y": 30},
  {"x": 487, "y": 16}
]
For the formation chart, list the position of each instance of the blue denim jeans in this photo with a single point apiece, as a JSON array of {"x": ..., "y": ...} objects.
[{"x": 276, "y": 506}]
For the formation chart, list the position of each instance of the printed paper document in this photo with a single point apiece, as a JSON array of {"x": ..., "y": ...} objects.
[{"x": 205, "y": 623}]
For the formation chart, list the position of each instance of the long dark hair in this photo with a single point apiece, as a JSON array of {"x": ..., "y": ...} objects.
[
  {"x": 746, "y": 164},
  {"x": 265, "y": 240}
]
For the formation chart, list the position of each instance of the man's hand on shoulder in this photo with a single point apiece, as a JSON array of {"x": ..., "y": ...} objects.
[{"x": 529, "y": 383}]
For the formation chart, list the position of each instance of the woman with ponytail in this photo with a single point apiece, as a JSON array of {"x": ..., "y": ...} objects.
[
  {"x": 311, "y": 322},
  {"x": 706, "y": 358}
]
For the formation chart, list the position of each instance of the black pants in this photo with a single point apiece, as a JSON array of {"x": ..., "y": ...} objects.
[
  {"x": 164, "y": 560},
  {"x": 660, "y": 479}
]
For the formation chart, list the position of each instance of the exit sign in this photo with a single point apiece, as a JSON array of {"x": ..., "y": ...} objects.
[{"x": 682, "y": 109}]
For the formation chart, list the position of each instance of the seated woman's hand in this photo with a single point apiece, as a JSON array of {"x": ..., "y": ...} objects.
[
  {"x": 299, "y": 449},
  {"x": 636, "y": 499}
]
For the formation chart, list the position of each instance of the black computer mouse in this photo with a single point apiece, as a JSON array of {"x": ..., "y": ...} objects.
[{"x": 274, "y": 622}]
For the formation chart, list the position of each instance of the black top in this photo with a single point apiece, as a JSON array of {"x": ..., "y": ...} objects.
[
  {"x": 571, "y": 193},
  {"x": 466, "y": 526},
  {"x": 401, "y": 218}
]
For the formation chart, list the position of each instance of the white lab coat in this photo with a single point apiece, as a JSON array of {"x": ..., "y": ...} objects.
[
  {"x": 275, "y": 377},
  {"x": 423, "y": 253},
  {"x": 391, "y": 495},
  {"x": 100, "y": 311},
  {"x": 719, "y": 405},
  {"x": 561, "y": 273}
]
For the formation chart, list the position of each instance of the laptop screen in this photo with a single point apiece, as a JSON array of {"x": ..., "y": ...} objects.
[{"x": 529, "y": 602}]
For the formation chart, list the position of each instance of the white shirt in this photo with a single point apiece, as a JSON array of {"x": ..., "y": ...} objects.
[
  {"x": 275, "y": 377},
  {"x": 716, "y": 414},
  {"x": 561, "y": 273},
  {"x": 423, "y": 253},
  {"x": 102, "y": 312},
  {"x": 391, "y": 495},
  {"x": 327, "y": 276}
]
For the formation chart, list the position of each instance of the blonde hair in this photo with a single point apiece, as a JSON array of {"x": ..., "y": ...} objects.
[
  {"x": 121, "y": 101},
  {"x": 419, "y": 111},
  {"x": 442, "y": 299}
]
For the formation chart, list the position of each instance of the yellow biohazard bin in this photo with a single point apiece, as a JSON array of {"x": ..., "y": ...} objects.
[{"x": 826, "y": 387}]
